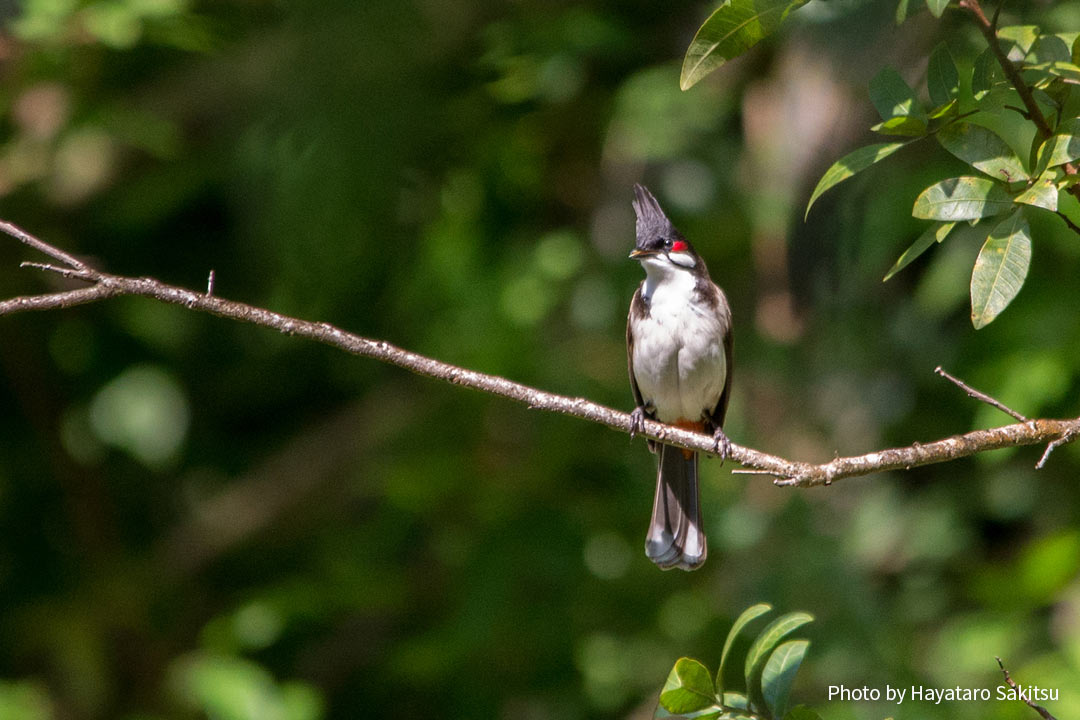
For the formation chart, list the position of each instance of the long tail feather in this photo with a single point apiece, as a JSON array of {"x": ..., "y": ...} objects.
[{"x": 675, "y": 537}]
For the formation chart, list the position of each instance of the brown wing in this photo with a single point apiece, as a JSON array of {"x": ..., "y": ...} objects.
[
  {"x": 637, "y": 307},
  {"x": 720, "y": 411}
]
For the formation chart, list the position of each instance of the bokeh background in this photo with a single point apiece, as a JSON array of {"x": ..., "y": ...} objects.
[{"x": 202, "y": 518}]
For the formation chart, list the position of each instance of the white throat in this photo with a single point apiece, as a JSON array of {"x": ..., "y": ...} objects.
[{"x": 667, "y": 283}]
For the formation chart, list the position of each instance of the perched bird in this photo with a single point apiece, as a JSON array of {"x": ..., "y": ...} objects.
[{"x": 678, "y": 343}]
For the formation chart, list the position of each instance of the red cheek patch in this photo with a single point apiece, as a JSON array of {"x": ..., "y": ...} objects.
[{"x": 678, "y": 246}]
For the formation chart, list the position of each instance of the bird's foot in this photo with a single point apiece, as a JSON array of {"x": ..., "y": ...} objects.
[
  {"x": 721, "y": 445},
  {"x": 637, "y": 421}
]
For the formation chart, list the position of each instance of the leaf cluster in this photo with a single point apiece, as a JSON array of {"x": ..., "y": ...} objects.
[
  {"x": 967, "y": 119},
  {"x": 763, "y": 687}
]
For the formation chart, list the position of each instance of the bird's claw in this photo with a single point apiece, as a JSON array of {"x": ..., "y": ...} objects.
[
  {"x": 721, "y": 445},
  {"x": 637, "y": 421}
]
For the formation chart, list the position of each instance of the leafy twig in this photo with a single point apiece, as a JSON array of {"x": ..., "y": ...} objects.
[
  {"x": 787, "y": 472},
  {"x": 1019, "y": 691}
]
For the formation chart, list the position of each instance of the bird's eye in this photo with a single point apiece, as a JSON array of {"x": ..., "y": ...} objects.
[{"x": 668, "y": 243}]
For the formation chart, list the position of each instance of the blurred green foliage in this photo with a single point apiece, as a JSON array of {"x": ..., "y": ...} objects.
[{"x": 204, "y": 520}]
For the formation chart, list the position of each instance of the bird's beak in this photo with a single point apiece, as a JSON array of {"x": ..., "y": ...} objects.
[{"x": 638, "y": 253}]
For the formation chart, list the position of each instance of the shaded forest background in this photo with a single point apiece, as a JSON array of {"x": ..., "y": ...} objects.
[{"x": 204, "y": 518}]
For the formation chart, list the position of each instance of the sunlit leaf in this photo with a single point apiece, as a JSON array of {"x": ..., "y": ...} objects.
[
  {"x": 731, "y": 30},
  {"x": 905, "y": 125},
  {"x": 1062, "y": 147},
  {"x": 962, "y": 198},
  {"x": 983, "y": 149},
  {"x": 779, "y": 674},
  {"x": 935, "y": 233},
  {"x": 937, "y": 7},
  {"x": 850, "y": 164},
  {"x": 942, "y": 78},
  {"x": 689, "y": 687},
  {"x": 1067, "y": 71},
  {"x": 763, "y": 645},
  {"x": 950, "y": 108},
  {"x": 892, "y": 96},
  {"x": 1000, "y": 269},
  {"x": 736, "y": 700},
  {"x": 1042, "y": 193},
  {"x": 1022, "y": 38}
]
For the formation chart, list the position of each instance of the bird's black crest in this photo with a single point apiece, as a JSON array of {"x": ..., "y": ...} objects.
[{"x": 651, "y": 220}]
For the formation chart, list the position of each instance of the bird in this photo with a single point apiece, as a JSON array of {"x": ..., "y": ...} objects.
[{"x": 679, "y": 348}]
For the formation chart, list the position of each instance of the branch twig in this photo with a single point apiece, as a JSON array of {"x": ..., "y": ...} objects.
[
  {"x": 787, "y": 472},
  {"x": 973, "y": 393},
  {"x": 1020, "y": 691},
  {"x": 989, "y": 31}
]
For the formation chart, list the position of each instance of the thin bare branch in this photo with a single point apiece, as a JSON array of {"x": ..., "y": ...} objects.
[
  {"x": 1053, "y": 445},
  {"x": 1023, "y": 696},
  {"x": 973, "y": 393},
  {"x": 787, "y": 472},
  {"x": 44, "y": 248}
]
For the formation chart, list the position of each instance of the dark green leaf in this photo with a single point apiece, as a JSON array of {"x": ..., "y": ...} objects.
[
  {"x": 731, "y": 30},
  {"x": 748, "y": 616},
  {"x": 1000, "y": 269},
  {"x": 942, "y": 79},
  {"x": 983, "y": 149},
  {"x": 759, "y": 651},
  {"x": 1051, "y": 48},
  {"x": 937, "y": 6},
  {"x": 1042, "y": 193},
  {"x": 962, "y": 198},
  {"x": 935, "y": 233},
  {"x": 1076, "y": 51},
  {"x": 801, "y": 712},
  {"x": 906, "y": 125},
  {"x": 907, "y": 8},
  {"x": 985, "y": 74},
  {"x": 689, "y": 687},
  {"x": 850, "y": 164},
  {"x": 779, "y": 674},
  {"x": 892, "y": 96}
]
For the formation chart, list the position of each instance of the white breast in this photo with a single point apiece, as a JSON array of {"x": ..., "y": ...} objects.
[{"x": 679, "y": 359}]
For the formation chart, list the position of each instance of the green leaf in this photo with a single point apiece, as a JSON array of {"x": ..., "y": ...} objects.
[
  {"x": 1067, "y": 71},
  {"x": 962, "y": 198},
  {"x": 936, "y": 232},
  {"x": 982, "y": 149},
  {"x": 689, "y": 687},
  {"x": 748, "y": 616},
  {"x": 907, "y": 125},
  {"x": 736, "y": 700},
  {"x": 937, "y": 7},
  {"x": 946, "y": 110},
  {"x": 759, "y": 651},
  {"x": 801, "y": 712},
  {"x": 779, "y": 674},
  {"x": 985, "y": 74},
  {"x": 1042, "y": 193},
  {"x": 1050, "y": 48},
  {"x": 1022, "y": 38},
  {"x": 942, "y": 78},
  {"x": 850, "y": 164},
  {"x": 1000, "y": 269},
  {"x": 1076, "y": 51},
  {"x": 892, "y": 96},
  {"x": 1062, "y": 147},
  {"x": 731, "y": 30}
]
